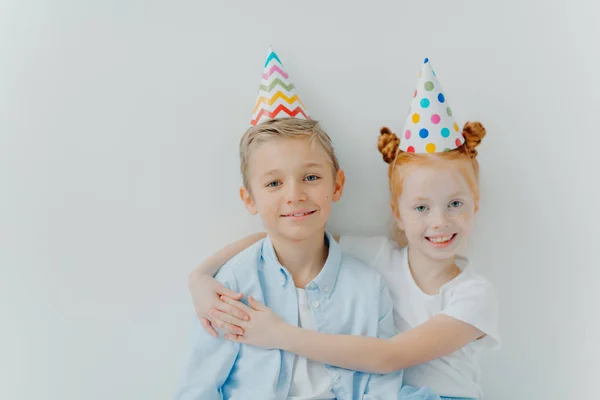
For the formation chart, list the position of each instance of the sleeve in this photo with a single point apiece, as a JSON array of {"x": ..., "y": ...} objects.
[
  {"x": 365, "y": 249},
  {"x": 475, "y": 303},
  {"x": 385, "y": 386},
  {"x": 210, "y": 361}
]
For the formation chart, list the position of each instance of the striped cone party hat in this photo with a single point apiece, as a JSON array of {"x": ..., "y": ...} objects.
[
  {"x": 430, "y": 126},
  {"x": 277, "y": 96}
]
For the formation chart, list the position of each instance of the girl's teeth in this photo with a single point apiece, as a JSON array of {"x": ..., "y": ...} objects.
[{"x": 441, "y": 239}]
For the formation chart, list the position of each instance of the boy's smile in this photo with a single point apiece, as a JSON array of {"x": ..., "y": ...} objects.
[{"x": 292, "y": 187}]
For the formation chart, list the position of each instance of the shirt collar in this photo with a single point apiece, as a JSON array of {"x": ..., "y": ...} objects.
[{"x": 326, "y": 279}]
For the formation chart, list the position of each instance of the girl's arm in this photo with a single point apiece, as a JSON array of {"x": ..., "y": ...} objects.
[
  {"x": 205, "y": 290},
  {"x": 438, "y": 337}
]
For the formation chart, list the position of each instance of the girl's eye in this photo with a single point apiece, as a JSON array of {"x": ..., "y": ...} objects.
[
  {"x": 456, "y": 204},
  {"x": 273, "y": 184},
  {"x": 421, "y": 208},
  {"x": 312, "y": 178}
]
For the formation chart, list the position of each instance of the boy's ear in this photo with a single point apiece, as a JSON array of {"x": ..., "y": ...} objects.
[
  {"x": 247, "y": 200},
  {"x": 340, "y": 179},
  {"x": 396, "y": 213}
]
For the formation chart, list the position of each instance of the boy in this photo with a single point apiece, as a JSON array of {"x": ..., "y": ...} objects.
[{"x": 291, "y": 177}]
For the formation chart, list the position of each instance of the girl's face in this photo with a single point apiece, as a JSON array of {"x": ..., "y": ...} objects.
[{"x": 436, "y": 209}]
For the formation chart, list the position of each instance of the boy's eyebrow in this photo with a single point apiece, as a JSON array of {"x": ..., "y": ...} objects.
[
  {"x": 311, "y": 164},
  {"x": 270, "y": 173},
  {"x": 308, "y": 164}
]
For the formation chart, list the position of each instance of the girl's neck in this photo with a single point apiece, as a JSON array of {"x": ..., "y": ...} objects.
[{"x": 430, "y": 274}]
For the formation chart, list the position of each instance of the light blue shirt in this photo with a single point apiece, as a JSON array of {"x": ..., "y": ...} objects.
[{"x": 346, "y": 297}]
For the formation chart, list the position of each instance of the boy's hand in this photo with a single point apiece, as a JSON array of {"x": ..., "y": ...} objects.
[{"x": 206, "y": 292}]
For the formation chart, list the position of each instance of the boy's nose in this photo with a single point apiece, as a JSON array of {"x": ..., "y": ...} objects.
[{"x": 295, "y": 193}]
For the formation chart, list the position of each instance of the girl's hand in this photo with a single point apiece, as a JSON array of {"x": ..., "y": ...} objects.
[
  {"x": 206, "y": 292},
  {"x": 264, "y": 329}
]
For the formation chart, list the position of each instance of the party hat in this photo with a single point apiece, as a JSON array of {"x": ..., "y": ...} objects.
[
  {"x": 277, "y": 96},
  {"x": 430, "y": 126}
]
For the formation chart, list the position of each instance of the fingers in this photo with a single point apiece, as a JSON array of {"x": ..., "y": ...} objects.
[
  {"x": 219, "y": 316},
  {"x": 231, "y": 310},
  {"x": 208, "y": 327},
  {"x": 255, "y": 304},
  {"x": 224, "y": 326},
  {"x": 234, "y": 338},
  {"x": 222, "y": 290},
  {"x": 237, "y": 304}
]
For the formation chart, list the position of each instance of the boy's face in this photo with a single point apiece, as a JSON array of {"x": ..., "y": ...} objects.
[
  {"x": 292, "y": 186},
  {"x": 436, "y": 210}
]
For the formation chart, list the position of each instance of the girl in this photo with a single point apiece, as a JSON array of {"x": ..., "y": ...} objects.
[{"x": 445, "y": 313}]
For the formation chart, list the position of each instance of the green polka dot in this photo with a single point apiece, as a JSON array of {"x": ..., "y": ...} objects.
[
  {"x": 449, "y": 111},
  {"x": 447, "y": 149},
  {"x": 429, "y": 86}
]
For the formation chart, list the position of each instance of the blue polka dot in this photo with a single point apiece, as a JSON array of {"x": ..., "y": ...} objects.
[
  {"x": 433, "y": 72},
  {"x": 423, "y": 133},
  {"x": 426, "y": 60},
  {"x": 445, "y": 132},
  {"x": 424, "y": 103},
  {"x": 441, "y": 98}
]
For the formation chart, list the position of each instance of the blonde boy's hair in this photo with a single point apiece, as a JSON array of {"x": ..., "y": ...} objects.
[{"x": 283, "y": 128}]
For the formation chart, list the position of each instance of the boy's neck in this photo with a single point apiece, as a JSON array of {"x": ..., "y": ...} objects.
[
  {"x": 430, "y": 274},
  {"x": 303, "y": 259}
]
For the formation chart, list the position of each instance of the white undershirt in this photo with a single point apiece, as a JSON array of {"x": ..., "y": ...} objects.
[{"x": 310, "y": 379}]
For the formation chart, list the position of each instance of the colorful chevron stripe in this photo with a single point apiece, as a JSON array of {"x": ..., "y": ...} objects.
[
  {"x": 275, "y": 114},
  {"x": 274, "y": 83},
  {"x": 275, "y": 68},
  {"x": 277, "y": 97}
]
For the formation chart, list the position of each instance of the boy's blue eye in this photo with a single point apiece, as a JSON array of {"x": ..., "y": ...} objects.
[
  {"x": 273, "y": 184},
  {"x": 311, "y": 178},
  {"x": 456, "y": 204},
  {"x": 421, "y": 208}
]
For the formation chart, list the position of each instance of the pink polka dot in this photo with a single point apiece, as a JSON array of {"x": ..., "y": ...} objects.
[
  {"x": 458, "y": 142},
  {"x": 435, "y": 118},
  {"x": 410, "y": 149},
  {"x": 407, "y": 134},
  {"x": 415, "y": 95}
]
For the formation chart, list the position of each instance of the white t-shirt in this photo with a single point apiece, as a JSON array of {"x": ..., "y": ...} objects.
[
  {"x": 310, "y": 379},
  {"x": 468, "y": 297}
]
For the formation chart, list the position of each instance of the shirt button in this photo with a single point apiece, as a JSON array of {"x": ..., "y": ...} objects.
[
  {"x": 336, "y": 376},
  {"x": 282, "y": 280},
  {"x": 316, "y": 304},
  {"x": 311, "y": 285},
  {"x": 326, "y": 289}
]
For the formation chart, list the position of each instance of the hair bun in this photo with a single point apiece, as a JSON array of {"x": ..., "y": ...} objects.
[
  {"x": 473, "y": 132},
  {"x": 388, "y": 144}
]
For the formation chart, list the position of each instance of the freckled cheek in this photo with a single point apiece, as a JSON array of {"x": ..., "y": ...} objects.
[{"x": 464, "y": 218}]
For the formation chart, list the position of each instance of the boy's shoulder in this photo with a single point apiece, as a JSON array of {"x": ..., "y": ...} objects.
[
  {"x": 358, "y": 271},
  {"x": 238, "y": 265}
]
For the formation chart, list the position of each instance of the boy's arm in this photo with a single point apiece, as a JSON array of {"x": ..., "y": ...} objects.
[{"x": 209, "y": 365}]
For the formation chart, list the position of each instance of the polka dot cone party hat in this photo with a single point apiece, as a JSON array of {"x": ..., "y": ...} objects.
[
  {"x": 277, "y": 96},
  {"x": 430, "y": 126}
]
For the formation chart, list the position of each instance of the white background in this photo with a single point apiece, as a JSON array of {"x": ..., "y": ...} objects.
[{"x": 119, "y": 125}]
